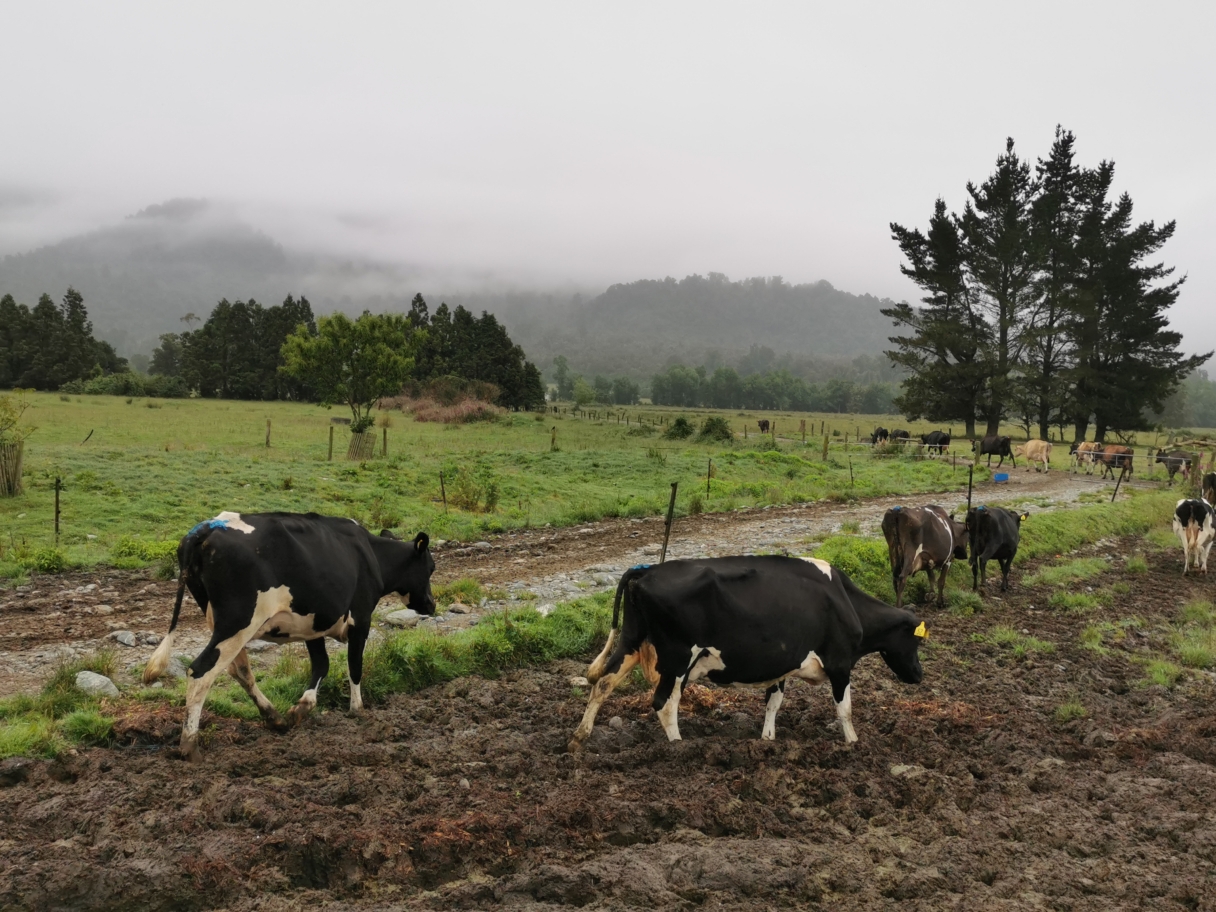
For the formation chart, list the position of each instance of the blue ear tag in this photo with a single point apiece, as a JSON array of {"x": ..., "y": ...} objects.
[
  {"x": 981, "y": 507},
  {"x": 210, "y": 524},
  {"x": 897, "y": 509},
  {"x": 640, "y": 567}
]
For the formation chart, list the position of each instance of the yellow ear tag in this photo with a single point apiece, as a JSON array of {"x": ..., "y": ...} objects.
[{"x": 921, "y": 631}]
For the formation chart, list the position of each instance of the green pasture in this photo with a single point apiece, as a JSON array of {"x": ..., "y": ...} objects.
[{"x": 150, "y": 469}]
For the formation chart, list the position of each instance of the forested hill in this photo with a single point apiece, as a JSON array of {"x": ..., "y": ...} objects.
[{"x": 640, "y": 327}]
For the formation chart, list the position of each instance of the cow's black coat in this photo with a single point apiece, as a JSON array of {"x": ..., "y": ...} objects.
[
  {"x": 935, "y": 440},
  {"x": 995, "y": 446},
  {"x": 993, "y": 533},
  {"x": 1209, "y": 487},
  {"x": 761, "y": 617},
  {"x": 880, "y": 435},
  {"x": 1175, "y": 461}
]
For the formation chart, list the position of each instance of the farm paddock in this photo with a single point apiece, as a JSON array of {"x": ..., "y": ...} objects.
[{"x": 1039, "y": 769}]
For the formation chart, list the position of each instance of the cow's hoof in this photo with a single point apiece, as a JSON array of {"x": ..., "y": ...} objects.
[
  {"x": 576, "y": 746},
  {"x": 297, "y": 714},
  {"x": 190, "y": 753},
  {"x": 277, "y": 723}
]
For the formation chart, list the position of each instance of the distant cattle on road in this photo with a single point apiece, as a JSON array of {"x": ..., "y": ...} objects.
[
  {"x": 1114, "y": 456},
  {"x": 993, "y": 534},
  {"x": 919, "y": 538},
  {"x": 1085, "y": 453},
  {"x": 1175, "y": 461},
  {"x": 935, "y": 441},
  {"x": 763, "y": 424},
  {"x": 752, "y": 621},
  {"x": 1035, "y": 451},
  {"x": 286, "y": 577},
  {"x": 1195, "y": 527},
  {"x": 994, "y": 446}
]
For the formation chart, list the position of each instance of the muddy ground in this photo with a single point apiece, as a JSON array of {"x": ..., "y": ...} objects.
[{"x": 966, "y": 792}]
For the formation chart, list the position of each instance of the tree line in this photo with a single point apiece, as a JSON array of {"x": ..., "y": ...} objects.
[
  {"x": 726, "y": 388},
  {"x": 569, "y": 386},
  {"x": 51, "y": 344},
  {"x": 1042, "y": 303}
]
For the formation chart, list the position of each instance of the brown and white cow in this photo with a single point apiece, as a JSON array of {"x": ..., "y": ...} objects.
[
  {"x": 920, "y": 538},
  {"x": 1035, "y": 451}
]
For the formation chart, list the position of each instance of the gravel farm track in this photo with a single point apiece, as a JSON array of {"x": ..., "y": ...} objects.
[{"x": 966, "y": 792}]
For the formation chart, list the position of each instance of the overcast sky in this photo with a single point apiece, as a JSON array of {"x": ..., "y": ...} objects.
[{"x": 577, "y": 144}]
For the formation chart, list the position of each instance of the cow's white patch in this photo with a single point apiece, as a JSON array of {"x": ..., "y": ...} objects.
[
  {"x": 844, "y": 712},
  {"x": 770, "y": 715},
  {"x": 811, "y": 669},
  {"x": 668, "y": 714},
  {"x": 234, "y": 521},
  {"x": 289, "y": 627},
  {"x": 945, "y": 525},
  {"x": 356, "y": 698},
  {"x": 308, "y": 699},
  {"x": 824, "y": 567},
  {"x": 701, "y": 665}
]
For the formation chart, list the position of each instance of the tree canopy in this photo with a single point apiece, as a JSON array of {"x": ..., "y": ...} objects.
[
  {"x": 1041, "y": 303},
  {"x": 51, "y": 345}
]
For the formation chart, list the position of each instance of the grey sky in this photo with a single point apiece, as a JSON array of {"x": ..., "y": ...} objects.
[{"x": 559, "y": 144}]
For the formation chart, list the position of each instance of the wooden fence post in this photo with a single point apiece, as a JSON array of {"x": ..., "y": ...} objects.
[
  {"x": 825, "y": 447},
  {"x": 267, "y": 433},
  {"x": 802, "y": 427},
  {"x": 384, "y": 451},
  {"x": 443, "y": 492},
  {"x": 553, "y": 440},
  {"x": 671, "y": 509},
  {"x": 58, "y": 488},
  {"x": 330, "y": 457},
  {"x": 709, "y": 473}
]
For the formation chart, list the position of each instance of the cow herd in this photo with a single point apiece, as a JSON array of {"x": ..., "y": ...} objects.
[{"x": 745, "y": 621}]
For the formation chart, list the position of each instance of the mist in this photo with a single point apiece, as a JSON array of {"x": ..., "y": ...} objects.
[{"x": 484, "y": 149}]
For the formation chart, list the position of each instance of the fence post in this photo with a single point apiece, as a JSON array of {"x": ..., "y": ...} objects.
[
  {"x": 385, "y": 448},
  {"x": 58, "y": 488},
  {"x": 330, "y": 457},
  {"x": 802, "y": 427},
  {"x": 443, "y": 492},
  {"x": 1122, "y": 472},
  {"x": 671, "y": 509},
  {"x": 553, "y": 440},
  {"x": 850, "y": 471},
  {"x": 970, "y": 477},
  {"x": 773, "y": 428},
  {"x": 825, "y": 447},
  {"x": 267, "y": 433},
  {"x": 709, "y": 473}
]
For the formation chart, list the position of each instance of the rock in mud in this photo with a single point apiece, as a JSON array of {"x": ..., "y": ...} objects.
[
  {"x": 92, "y": 683},
  {"x": 124, "y": 637},
  {"x": 406, "y": 617},
  {"x": 458, "y": 608}
]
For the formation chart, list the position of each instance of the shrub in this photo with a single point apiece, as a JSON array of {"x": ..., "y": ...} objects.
[
  {"x": 136, "y": 549},
  {"x": 680, "y": 429},
  {"x": 1137, "y": 564},
  {"x": 131, "y": 384},
  {"x": 47, "y": 560},
  {"x": 1073, "y": 709},
  {"x": 716, "y": 429}
]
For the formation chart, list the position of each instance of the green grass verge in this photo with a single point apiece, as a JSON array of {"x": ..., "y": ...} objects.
[
  {"x": 1019, "y": 644},
  {"x": 1072, "y": 571}
]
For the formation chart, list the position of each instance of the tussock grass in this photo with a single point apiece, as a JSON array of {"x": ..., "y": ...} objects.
[
  {"x": 1019, "y": 644},
  {"x": 1163, "y": 672},
  {"x": 1198, "y": 611},
  {"x": 1072, "y": 571},
  {"x": 1137, "y": 563},
  {"x": 963, "y": 602},
  {"x": 1072, "y": 709},
  {"x": 46, "y": 723}
]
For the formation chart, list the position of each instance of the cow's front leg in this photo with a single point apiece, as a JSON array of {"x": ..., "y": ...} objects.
[
  {"x": 842, "y": 693},
  {"x": 774, "y": 696},
  {"x": 667, "y": 702},
  {"x": 354, "y": 663},
  {"x": 1005, "y": 567},
  {"x": 942, "y": 572},
  {"x": 599, "y": 693},
  {"x": 319, "y": 659},
  {"x": 243, "y": 672}
]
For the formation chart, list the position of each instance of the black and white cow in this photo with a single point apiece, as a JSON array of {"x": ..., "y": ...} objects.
[
  {"x": 1176, "y": 461},
  {"x": 287, "y": 577},
  {"x": 920, "y": 538},
  {"x": 880, "y": 435},
  {"x": 936, "y": 440},
  {"x": 1195, "y": 526},
  {"x": 752, "y": 621},
  {"x": 994, "y": 533},
  {"x": 994, "y": 446}
]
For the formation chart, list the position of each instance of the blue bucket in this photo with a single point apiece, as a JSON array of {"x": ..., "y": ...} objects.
[{"x": 1000, "y": 476}]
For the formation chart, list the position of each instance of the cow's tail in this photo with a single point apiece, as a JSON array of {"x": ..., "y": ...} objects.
[
  {"x": 596, "y": 670},
  {"x": 164, "y": 651},
  {"x": 160, "y": 658}
]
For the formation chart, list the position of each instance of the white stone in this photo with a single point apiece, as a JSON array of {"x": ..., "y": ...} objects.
[
  {"x": 406, "y": 617},
  {"x": 259, "y": 645},
  {"x": 124, "y": 637},
  {"x": 92, "y": 683}
]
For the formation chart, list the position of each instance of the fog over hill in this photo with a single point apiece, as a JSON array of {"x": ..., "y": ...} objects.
[{"x": 141, "y": 276}]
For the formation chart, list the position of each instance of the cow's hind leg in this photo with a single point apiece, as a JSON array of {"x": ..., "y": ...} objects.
[
  {"x": 667, "y": 702},
  {"x": 1006, "y": 563},
  {"x": 774, "y": 695},
  {"x": 357, "y": 641},
  {"x": 215, "y": 658},
  {"x": 599, "y": 693},
  {"x": 320, "y": 668},
  {"x": 243, "y": 672},
  {"x": 942, "y": 572},
  {"x": 842, "y": 693},
  {"x": 595, "y": 670}
]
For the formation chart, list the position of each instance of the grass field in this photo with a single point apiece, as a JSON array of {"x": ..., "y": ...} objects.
[{"x": 151, "y": 469}]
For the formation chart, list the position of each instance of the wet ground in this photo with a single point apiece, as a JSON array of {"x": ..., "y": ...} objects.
[{"x": 971, "y": 791}]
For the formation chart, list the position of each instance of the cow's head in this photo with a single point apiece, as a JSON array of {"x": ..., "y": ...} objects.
[
  {"x": 1072, "y": 450},
  {"x": 900, "y": 648},
  {"x": 412, "y": 576}
]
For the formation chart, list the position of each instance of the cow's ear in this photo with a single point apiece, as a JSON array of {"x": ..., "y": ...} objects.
[
  {"x": 421, "y": 540},
  {"x": 388, "y": 533}
]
